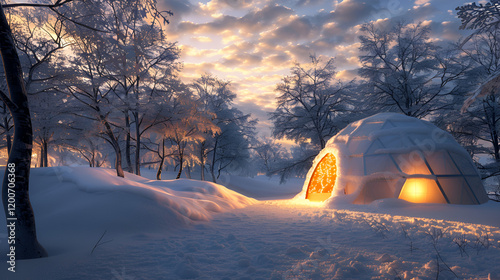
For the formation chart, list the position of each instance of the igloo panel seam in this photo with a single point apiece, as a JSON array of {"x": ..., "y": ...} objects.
[
  {"x": 468, "y": 185},
  {"x": 390, "y": 155},
  {"x": 422, "y": 155},
  {"x": 364, "y": 165}
]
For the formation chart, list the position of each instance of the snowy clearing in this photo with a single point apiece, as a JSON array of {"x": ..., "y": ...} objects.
[{"x": 198, "y": 230}]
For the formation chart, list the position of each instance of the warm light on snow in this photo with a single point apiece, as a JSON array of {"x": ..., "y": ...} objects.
[{"x": 188, "y": 229}]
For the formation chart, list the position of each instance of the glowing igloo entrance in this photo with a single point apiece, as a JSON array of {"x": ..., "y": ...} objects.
[
  {"x": 321, "y": 185},
  {"x": 394, "y": 156}
]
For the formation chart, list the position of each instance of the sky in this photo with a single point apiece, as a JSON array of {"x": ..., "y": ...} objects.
[{"x": 254, "y": 44}]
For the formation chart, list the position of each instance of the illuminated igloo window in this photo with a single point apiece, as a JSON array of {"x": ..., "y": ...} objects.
[{"x": 394, "y": 156}]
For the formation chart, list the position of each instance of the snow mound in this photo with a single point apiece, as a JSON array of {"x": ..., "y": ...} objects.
[{"x": 80, "y": 198}]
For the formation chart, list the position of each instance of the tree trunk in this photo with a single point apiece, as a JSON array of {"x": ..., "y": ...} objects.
[
  {"x": 8, "y": 136},
  {"x": 127, "y": 144},
  {"x": 188, "y": 172},
  {"x": 114, "y": 142},
  {"x": 160, "y": 168},
  {"x": 212, "y": 166},
  {"x": 212, "y": 172},
  {"x": 40, "y": 160},
  {"x": 118, "y": 163},
  {"x": 489, "y": 107},
  {"x": 45, "y": 154},
  {"x": 202, "y": 161},
  {"x": 92, "y": 159},
  {"x": 20, "y": 218},
  {"x": 181, "y": 163},
  {"x": 162, "y": 160},
  {"x": 496, "y": 147},
  {"x": 138, "y": 146}
]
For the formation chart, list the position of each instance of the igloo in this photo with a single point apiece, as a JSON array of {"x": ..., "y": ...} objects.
[{"x": 390, "y": 155}]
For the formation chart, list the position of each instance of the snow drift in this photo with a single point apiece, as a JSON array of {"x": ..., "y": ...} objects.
[{"x": 75, "y": 199}]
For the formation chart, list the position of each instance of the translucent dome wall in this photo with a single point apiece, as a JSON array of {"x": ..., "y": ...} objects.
[{"x": 395, "y": 156}]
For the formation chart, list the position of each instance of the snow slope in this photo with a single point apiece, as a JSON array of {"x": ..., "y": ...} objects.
[
  {"x": 187, "y": 229},
  {"x": 259, "y": 187},
  {"x": 78, "y": 202}
]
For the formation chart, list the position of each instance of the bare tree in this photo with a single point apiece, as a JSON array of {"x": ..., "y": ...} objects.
[
  {"x": 312, "y": 107},
  {"x": 405, "y": 71},
  {"x": 311, "y": 104}
]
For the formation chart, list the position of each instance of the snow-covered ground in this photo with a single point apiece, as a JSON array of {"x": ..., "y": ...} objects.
[{"x": 188, "y": 229}]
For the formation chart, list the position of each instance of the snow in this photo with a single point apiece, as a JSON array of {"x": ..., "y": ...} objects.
[{"x": 187, "y": 229}]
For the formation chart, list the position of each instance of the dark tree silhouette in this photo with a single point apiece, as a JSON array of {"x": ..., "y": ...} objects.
[
  {"x": 26, "y": 243},
  {"x": 16, "y": 178}
]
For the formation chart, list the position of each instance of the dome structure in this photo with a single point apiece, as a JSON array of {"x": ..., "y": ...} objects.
[{"x": 390, "y": 155}]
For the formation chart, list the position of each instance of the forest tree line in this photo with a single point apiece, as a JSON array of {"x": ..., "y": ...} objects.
[{"x": 107, "y": 90}]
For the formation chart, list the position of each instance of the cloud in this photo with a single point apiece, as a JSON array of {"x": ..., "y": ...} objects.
[
  {"x": 251, "y": 23},
  {"x": 418, "y": 13},
  {"x": 303, "y": 3},
  {"x": 245, "y": 46},
  {"x": 235, "y": 4},
  {"x": 241, "y": 60},
  {"x": 202, "y": 39},
  {"x": 446, "y": 32},
  {"x": 192, "y": 52},
  {"x": 255, "y": 43},
  {"x": 215, "y": 6},
  {"x": 422, "y": 2},
  {"x": 347, "y": 75},
  {"x": 298, "y": 28},
  {"x": 257, "y": 111},
  {"x": 279, "y": 59},
  {"x": 267, "y": 15},
  {"x": 197, "y": 69},
  {"x": 349, "y": 13},
  {"x": 178, "y": 7}
]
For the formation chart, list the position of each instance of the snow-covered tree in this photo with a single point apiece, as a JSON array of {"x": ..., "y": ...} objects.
[
  {"x": 91, "y": 88},
  {"x": 484, "y": 19},
  {"x": 142, "y": 57},
  {"x": 39, "y": 39},
  {"x": 50, "y": 121},
  {"x": 185, "y": 133},
  {"x": 228, "y": 148},
  {"x": 130, "y": 59},
  {"x": 478, "y": 126},
  {"x": 268, "y": 153},
  {"x": 405, "y": 71}
]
